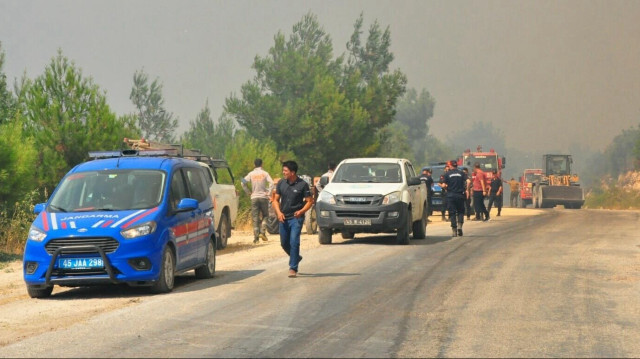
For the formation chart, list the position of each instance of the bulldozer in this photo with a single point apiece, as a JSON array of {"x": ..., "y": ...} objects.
[{"x": 557, "y": 185}]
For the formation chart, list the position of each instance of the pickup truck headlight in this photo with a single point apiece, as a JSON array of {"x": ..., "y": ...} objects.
[
  {"x": 326, "y": 197},
  {"x": 36, "y": 234},
  {"x": 392, "y": 198},
  {"x": 139, "y": 230}
]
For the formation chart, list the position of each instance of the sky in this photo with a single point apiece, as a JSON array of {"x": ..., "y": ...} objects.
[{"x": 548, "y": 74}]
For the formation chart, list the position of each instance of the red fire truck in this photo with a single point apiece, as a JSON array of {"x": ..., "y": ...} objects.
[
  {"x": 488, "y": 161},
  {"x": 526, "y": 180}
]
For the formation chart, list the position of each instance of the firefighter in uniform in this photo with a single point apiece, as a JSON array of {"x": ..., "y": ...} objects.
[{"x": 455, "y": 181}]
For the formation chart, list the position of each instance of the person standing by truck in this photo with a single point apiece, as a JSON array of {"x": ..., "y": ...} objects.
[
  {"x": 328, "y": 174},
  {"x": 261, "y": 182},
  {"x": 455, "y": 181},
  {"x": 495, "y": 194},
  {"x": 291, "y": 201},
  {"x": 428, "y": 181},
  {"x": 514, "y": 188},
  {"x": 479, "y": 192},
  {"x": 468, "y": 194}
]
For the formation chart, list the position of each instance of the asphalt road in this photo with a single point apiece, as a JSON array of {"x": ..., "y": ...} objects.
[{"x": 565, "y": 283}]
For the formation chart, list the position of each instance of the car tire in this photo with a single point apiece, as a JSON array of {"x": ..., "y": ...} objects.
[
  {"x": 402, "y": 236},
  {"x": 325, "y": 235},
  {"x": 36, "y": 291},
  {"x": 166, "y": 279},
  {"x": 209, "y": 269},
  {"x": 223, "y": 231},
  {"x": 420, "y": 227}
]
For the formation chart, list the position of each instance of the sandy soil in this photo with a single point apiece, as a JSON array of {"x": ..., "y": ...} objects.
[{"x": 22, "y": 317}]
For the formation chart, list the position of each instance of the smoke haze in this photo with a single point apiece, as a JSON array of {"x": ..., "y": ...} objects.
[{"x": 549, "y": 74}]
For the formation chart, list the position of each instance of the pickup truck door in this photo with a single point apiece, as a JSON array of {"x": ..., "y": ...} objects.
[{"x": 414, "y": 192}]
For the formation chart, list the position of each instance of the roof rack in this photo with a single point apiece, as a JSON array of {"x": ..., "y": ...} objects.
[
  {"x": 130, "y": 153},
  {"x": 144, "y": 145}
]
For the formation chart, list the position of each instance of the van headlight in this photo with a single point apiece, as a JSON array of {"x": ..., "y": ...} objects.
[
  {"x": 392, "y": 198},
  {"x": 36, "y": 234},
  {"x": 139, "y": 230},
  {"x": 326, "y": 197}
]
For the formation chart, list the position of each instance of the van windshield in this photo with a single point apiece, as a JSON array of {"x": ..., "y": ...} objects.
[
  {"x": 368, "y": 172},
  {"x": 111, "y": 190}
]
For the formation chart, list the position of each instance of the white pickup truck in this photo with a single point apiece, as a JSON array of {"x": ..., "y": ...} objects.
[{"x": 373, "y": 195}]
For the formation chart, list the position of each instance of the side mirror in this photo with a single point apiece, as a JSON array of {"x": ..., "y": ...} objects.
[
  {"x": 39, "y": 208},
  {"x": 324, "y": 180},
  {"x": 414, "y": 181},
  {"x": 187, "y": 204}
]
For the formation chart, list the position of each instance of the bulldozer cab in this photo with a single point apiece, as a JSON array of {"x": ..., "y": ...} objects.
[{"x": 557, "y": 165}]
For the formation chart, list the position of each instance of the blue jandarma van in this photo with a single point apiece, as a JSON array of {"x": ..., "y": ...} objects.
[{"x": 124, "y": 217}]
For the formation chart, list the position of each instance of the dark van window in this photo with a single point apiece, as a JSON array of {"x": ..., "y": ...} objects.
[
  {"x": 178, "y": 189},
  {"x": 196, "y": 183}
]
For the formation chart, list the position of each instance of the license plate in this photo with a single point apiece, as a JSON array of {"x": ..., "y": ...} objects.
[
  {"x": 437, "y": 201},
  {"x": 357, "y": 222},
  {"x": 80, "y": 263}
]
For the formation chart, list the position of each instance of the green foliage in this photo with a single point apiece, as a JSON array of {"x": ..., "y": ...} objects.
[
  {"x": 414, "y": 112},
  {"x": 67, "y": 115},
  {"x": 612, "y": 198},
  {"x": 205, "y": 135},
  {"x": 241, "y": 153},
  {"x": 154, "y": 121},
  {"x": 619, "y": 155},
  {"x": 312, "y": 105},
  {"x": 8, "y": 103},
  {"x": 436, "y": 151},
  {"x": 394, "y": 141},
  {"x": 17, "y": 158},
  {"x": 15, "y": 221}
]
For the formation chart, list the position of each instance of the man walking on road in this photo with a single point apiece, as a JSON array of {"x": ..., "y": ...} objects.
[
  {"x": 261, "y": 183},
  {"x": 291, "y": 201},
  {"x": 455, "y": 181},
  {"x": 479, "y": 192}
]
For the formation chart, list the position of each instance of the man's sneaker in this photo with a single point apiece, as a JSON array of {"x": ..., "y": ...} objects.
[
  {"x": 498, "y": 215},
  {"x": 460, "y": 232},
  {"x": 255, "y": 241},
  {"x": 454, "y": 232},
  {"x": 292, "y": 273},
  {"x": 264, "y": 237}
]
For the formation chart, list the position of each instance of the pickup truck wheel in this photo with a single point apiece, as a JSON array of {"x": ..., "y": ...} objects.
[
  {"x": 223, "y": 231},
  {"x": 209, "y": 269},
  {"x": 324, "y": 235},
  {"x": 167, "y": 273},
  {"x": 402, "y": 237},
  {"x": 311, "y": 222},
  {"x": 420, "y": 227},
  {"x": 347, "y": 235},
  {"x": 36, "y": 291}
]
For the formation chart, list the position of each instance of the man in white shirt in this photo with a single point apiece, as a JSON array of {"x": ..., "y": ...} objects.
[
  {"x": 261, "y": 184},
  {"x": 328, "y": 174}
]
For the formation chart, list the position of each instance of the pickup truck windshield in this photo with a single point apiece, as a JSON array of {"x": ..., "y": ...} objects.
[
  {"x": 109, "y": 191},
  {"x": 368, "y": 172}
]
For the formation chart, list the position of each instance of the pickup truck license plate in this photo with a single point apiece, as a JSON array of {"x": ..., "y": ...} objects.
[
  {"x": 80, "y": 263},
  {"x": 357, "y": 222}
]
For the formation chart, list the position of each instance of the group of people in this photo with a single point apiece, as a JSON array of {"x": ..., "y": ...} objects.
[
  {"x": 459, "y": 189},
  {"x": 292, "y": 199}
]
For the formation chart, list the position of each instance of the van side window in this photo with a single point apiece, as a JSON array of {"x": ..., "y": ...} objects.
[
  {"x": 196, "y": 183},
  {"x": 178, "y": 189}
]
